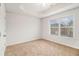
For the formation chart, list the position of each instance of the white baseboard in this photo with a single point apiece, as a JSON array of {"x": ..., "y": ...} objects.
[{"x": 18, "y": 42}]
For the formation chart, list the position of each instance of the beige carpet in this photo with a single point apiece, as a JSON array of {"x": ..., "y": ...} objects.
[{"x": 40, "y": 48}]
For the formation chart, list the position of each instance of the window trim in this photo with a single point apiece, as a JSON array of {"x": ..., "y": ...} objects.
[{"x": 59, "y": 30}]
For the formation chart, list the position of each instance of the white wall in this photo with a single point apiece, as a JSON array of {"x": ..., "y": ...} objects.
[
  {"x": 22, "y": 28},
  {"x": 2, "y": 29},
  {"x": 73, "y": 42}
]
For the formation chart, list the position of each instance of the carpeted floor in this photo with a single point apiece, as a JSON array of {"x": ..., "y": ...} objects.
[{"x": 40, "y": 48}]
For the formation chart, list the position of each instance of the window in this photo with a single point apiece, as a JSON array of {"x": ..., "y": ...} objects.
[
  {"x": 54, "y": 26},
  {"x": 62, "y": 26}
]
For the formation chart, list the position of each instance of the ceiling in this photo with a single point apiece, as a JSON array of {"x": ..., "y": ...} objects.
[
  {"x": 29, "y": 8},
  {"x": 34, "y": 7},
  {"x": 37, "y": 9}
]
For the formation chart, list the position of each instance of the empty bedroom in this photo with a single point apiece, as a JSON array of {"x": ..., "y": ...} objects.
[{"x": 39, "y": 29}]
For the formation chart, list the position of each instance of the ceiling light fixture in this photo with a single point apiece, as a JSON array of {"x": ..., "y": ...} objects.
[{"x": 47, "y": 4}]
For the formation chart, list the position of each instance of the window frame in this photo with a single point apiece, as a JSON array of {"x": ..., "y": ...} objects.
[{"x": 59, "y": 27}]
